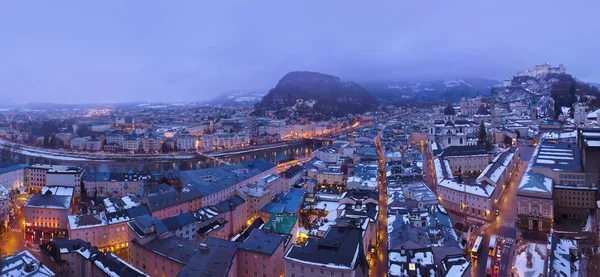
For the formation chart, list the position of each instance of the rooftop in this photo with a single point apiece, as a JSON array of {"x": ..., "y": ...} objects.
[
  {"x": 340, "y": 248},
  {"x": 281, "y": 225},
  {"x": 24, "y": 264},
  {"x": 211, "y": 180},
  {"x": 558, "y": 156},
  {"x": 214, "y": 259},
  {"x": 51, "y": 197},
  {"x": 262, "y": 241},
  {"x": 464, "y": 151}
]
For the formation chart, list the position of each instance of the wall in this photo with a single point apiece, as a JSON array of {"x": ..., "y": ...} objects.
[
  {"x": 250, "y": 262},
  {"x": 14, "y": 179}
]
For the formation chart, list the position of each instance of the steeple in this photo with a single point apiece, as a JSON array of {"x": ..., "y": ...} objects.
[{"x": 533, "y": 112}]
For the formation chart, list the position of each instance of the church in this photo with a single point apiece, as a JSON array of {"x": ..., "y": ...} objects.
[
  {"x": 452, "y": 131},
  {"x": 470, "y": 106}
]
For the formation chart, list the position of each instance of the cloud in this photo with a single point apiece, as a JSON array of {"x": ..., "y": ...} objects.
[{"x": 73, "y": 51}]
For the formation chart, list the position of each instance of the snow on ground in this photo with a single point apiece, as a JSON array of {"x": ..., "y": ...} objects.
[{"x": 537, "y": 261}]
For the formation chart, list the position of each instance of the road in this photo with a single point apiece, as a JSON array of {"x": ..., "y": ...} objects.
[
  {"x": 13, "y": 239},
  {"x": 380, "y": 266},
  {"x": 504, "y": 227},
  {"x": 428, "y": 169}
]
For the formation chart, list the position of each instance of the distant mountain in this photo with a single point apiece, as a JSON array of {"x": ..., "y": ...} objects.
[
  {"x": 238, "y": 98},
  {"x": 435, "y": 88},
  {"x": 316, "y": 96}
]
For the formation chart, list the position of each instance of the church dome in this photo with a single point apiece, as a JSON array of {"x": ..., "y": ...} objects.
[{"x": 449, "y": 110}]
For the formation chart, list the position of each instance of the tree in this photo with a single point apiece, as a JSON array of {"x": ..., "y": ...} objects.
[
  {"x": 482, "y": 135},
  {"x": 344, "y": 168},
  {"x": 572, "y": 91}
]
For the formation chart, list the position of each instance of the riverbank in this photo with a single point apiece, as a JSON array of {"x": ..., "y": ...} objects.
[
  {"x": 235, "y": 152},
  {"x": 61, "y": 155}
]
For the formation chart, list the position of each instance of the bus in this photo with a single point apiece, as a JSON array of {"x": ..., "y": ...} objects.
[
  {"x": 476, "y": 246},
  {"x": 492, "y": 248}
]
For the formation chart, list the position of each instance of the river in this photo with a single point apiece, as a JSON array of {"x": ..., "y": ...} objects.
[{"x": 273, "y": 155}]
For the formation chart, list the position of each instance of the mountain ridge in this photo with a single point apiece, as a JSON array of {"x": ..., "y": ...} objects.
[{"x": 314, "y": 95}]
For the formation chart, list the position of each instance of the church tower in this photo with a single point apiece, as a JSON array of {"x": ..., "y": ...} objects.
[
  {"x": 579, "y": 115},
  {"x": 533, "y": 113}
]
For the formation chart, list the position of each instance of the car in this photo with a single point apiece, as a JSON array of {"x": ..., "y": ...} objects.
[
  {"x": 497, "y": 212},
  {"x": 496, "y": 264}
]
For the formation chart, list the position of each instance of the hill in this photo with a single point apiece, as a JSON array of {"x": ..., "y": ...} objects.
[
  {"x": 551, "y": 91},
  {"x": 316, "y": 96}
]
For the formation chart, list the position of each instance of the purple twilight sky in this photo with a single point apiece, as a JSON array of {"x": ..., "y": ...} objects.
[{"x": 117, "y": 51}]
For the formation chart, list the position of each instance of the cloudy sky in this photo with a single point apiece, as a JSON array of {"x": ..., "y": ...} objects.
[{"x": 117, "y": 51}]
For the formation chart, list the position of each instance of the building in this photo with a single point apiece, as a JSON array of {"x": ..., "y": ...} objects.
[
  {"x": 452, "y": 132},
  {"x": 218, "y": 183},
  {"x": 154, "y": 250},
  {"x": 131, "y": 144},
  {"x": 46, "y": 213},
  {"x": 12, "y": 176},
  {"x": 24, "y": 264},
  {"x": 361, "y": 208},
  {"x": 330, "y": 177},
  {"x": 339, "y": 253},
  {"x": 215, "y": 257},
  {"x": 225, "y": 140},
  {"x": 283, "y": 224},
  {"x": 535, "y": 198},
  {"x": 261, "y": 254},
  {"x": 257, "y": 196},
  {"x": 186, "y": 143},
  {"x": 565, "y": 258},
  {"x": 151, "y": 144},
  {"x": 80, "y": 258},
  {"x": 292, "y": 175},
  {"x": 40, "y": 175},
  {"x": 4, "y": 211},
  {"x": 93, "y": 144},
  {"x": 480, "y": 194},
  {"x": 580, "y": 115},
  {"x": 588, "y": 141},
  {"x": 469, "y": 160},
  {"x": 327, "y": 154},
  {"x": 541, "y": 70},
  {"x": 79, "y": 143},
  {"x": 223, "y": 220},
  {"x": 113, "y": 184},
  {"x": 470, "y": 106},
  {"x": 183, "y": 225},
  {"x": 63, "y": 140},
  {"x": 167, "y": 203},
  {"x": 115, "y": 139}
]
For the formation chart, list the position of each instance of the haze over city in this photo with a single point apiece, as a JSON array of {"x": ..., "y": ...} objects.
[{"x": 119, "y": 51}]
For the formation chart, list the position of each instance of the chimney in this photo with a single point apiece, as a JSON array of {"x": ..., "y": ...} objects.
[{"x": 279, "y": 217}]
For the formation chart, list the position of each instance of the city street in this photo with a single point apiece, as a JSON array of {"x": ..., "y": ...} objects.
[
  {"x": 381, "y": 265},
  {"x": 13, "y": 239},
  {"x": 504, "y": 227},
  {"x": 429, "y": 179}
]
